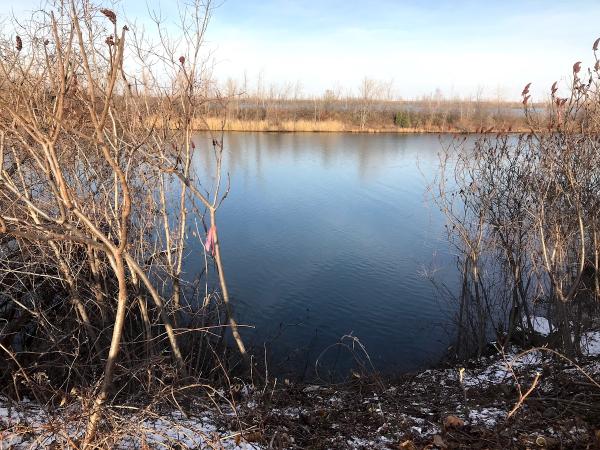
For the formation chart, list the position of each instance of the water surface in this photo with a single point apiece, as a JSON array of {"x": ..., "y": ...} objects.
[{"x": 325, "y": 235}]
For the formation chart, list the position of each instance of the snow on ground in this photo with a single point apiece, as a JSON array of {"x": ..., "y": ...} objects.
[
  {"x": 487, "y": 417},
  {"x": 591, "y": 343},
  {"x": 28, "y": 419},
  {"x": 29, "y": 427},
  {"x": 394, "y": 415},
  {"x": 422, "y": 427},
  {"x": 541, "y": 325},
  {"x": 590, "y": 340},
  {"x": 502, "y": 369},
  {"x": 187, "y": 433}
]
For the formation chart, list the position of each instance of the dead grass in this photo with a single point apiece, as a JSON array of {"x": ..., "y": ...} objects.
[
  {"x": 319, "y": 126},
  {"x": 214, "y": 123},
  {"x": 322, "y": 126}
]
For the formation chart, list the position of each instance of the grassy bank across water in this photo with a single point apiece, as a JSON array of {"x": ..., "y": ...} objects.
[{"x": 334, "y": 126}]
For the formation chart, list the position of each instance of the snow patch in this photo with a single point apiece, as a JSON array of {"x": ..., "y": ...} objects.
[
  {"x": 591, "y": 343},
  {"x": 30, "y": 427},
  {"x": 541, "y": 325},
  {"x": 359, "y": 443},
  {"x": 502, "y": 370},
  {"x": 487, "y": 417}
]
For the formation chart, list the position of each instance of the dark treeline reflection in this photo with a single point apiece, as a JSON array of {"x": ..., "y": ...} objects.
[{"x": 329, "y": 234}]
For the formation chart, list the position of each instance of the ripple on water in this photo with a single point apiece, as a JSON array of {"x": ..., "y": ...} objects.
[{"x": 329, "y": 234}]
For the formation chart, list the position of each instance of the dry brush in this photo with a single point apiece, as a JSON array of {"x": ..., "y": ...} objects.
[{"x": 97, "y": 193}]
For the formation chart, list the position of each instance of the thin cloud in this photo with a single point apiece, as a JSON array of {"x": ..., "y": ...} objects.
[{"x": 456, "y": 46}]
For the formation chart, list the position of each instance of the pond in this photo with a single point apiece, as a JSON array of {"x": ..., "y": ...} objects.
[{"x": 330, "y": 235}]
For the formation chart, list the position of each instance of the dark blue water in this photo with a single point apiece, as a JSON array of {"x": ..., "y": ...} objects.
[{"x": 325, "y": 235}]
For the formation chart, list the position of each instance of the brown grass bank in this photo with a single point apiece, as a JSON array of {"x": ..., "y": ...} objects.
[
  {"x": 337, "y": 126},
  {"x": 355, "y": 115}
]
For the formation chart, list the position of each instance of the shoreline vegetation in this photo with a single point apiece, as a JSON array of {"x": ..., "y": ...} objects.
[
  {"x": 355, "y": 115},
  {"x": 482, "y": 403},
  {"x": 335, "y": 126}
]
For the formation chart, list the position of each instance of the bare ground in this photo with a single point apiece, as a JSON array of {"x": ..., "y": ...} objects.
[{"x": 446, "y": 408}]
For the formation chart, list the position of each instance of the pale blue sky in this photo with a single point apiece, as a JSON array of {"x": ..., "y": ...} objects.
[{"x": 456, "y": 46}]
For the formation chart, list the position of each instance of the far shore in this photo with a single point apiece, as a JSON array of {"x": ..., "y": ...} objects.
[{"x": 335, "y": 126}]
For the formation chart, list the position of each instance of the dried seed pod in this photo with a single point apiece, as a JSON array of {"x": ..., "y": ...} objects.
[
  {"x": 19, "y": 43},
  {"x": 110, "y": 15},
  {"x": 182, "y": 60},
  {"x": 577, "y": 67},
  {"x": 526, "y": 89},
  {"x": 595, "y": 46}
]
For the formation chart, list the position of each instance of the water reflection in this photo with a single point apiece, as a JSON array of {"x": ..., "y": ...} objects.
[{"x": 328, "y": 234}]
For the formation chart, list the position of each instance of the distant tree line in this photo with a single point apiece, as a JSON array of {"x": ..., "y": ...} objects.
[{"x": 374, "y": 105}]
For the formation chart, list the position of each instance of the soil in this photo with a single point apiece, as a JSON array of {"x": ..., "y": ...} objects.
[
  {"x": 434, "y": 409},
  {"x": 529, "y": 400}
]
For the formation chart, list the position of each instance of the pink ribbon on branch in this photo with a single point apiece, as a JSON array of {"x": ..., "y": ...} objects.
[{"x": 211, "y": 240}]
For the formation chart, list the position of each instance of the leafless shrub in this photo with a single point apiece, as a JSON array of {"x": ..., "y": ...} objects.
[
  {"x": 96, "y": 191},
  {"x": 523, "y": 213}
]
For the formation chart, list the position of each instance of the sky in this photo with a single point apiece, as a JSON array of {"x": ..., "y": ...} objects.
[{"x": 460, "y": 47}]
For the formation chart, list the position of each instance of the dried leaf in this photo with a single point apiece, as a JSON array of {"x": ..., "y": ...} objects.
[
  {"x": 254, "y": 436},
  {"x": 453, "y": 422},
  {"x": 408, "y": 445},
  {"x": 439, "y": 442},
  {"x": 110, "y": 15}
]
